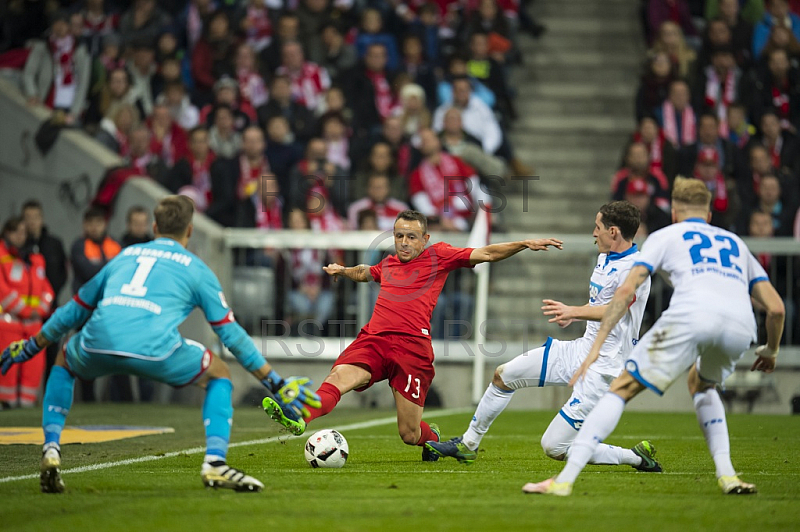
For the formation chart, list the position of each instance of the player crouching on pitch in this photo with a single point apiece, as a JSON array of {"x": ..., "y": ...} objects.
[{"x": 134, "y": 306}]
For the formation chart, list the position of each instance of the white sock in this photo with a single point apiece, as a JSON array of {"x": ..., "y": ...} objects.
[
  {"x": 612, "y": 455},
  {"x": 213, "y": 458},
  {"x": 598, "y": 425},
  {"x": 711, "y": 416},
  {"x": 492, "y": 404}
]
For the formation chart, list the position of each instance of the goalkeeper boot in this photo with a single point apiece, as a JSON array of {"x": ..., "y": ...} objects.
[
  {"x": 274, "y": 410},
  {"x": 647, "y": 452},
  {"x": 428, "y": 455},
  {"x": 549, "y": 487},
  {"x": 221, "y": 475},
  {"x": 50, "y": 470},
  {"x": 454, "y": 448},
  {"x": 733, "y": 486}
]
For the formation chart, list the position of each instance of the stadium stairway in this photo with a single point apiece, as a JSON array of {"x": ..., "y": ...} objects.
[{"x": 575, "y": 100}]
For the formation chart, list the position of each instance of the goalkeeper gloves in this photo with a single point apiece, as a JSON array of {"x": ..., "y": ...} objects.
[
  {"x": 292, "y": 394},
  {"x": 18, "y": 352}
]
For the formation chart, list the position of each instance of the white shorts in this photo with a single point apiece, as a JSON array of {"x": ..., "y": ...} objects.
[
  {"x": 554, "y": 364},
  {"x": 674, "y": 343}
]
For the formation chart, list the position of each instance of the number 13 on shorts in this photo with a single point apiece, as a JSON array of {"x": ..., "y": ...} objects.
[{"x": 415, "y": 395}]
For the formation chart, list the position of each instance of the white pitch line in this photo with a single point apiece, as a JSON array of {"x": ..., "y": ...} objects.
[{"x": 197, "y": 450}]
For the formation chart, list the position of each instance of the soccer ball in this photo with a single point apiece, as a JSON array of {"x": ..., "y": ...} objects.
[{"x": 326, "y": 448}]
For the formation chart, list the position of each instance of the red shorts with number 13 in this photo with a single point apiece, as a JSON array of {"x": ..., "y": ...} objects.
[{"x": 405, "y": 361}]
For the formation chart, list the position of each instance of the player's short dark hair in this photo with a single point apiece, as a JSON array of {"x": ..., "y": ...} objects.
[
  {"x": 32, "y": 204},
  {"x": 136, "y": 209},
  {"x": 173, "y": 215},
  {"x": 622, "y": 214},
  {"x": 12, "y": 224},
  {"x": 94, "y": 213},
  {"x": 412, "y": 215}
]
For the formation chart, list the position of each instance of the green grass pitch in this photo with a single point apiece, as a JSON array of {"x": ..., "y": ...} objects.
[{"x": 384, "y": 486}]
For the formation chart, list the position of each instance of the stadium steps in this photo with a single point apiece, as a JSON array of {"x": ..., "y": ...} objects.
[{"x": 575, "y": 97}]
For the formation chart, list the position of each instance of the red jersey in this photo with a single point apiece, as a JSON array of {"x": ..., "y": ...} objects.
[{"x": 409, "y": 290}]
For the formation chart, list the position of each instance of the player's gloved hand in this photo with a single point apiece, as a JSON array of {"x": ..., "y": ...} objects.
[
  {"x": 18, "y": 352},
  {"x": 766, "y": 359},
  {"x": 293, "y": 394}
]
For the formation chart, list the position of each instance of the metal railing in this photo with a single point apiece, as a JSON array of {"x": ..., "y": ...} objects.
[{"x": 269, "y": 302}]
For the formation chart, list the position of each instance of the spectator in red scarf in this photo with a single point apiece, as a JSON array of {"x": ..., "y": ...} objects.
[
  {"x": 718, "y": 86},
  {"x": 57, "y": 72},
  {"x": 168, "y": 140},
  {"x": 778, "y": 89},
  {"x": 116, "y": 127},
  {"x": 234, "y": 181},
  {"x": 443, "y": 187},
  {"x": 213, "y": 55},
  {"x": 637, "y": 167},
  {"x": 379, "y": 201},
  {"x": 97, "y": 23},
  {"x": 308, "y": 81},
  {"x": 663, "y": 156},
  {"x": 253, "y": 19},
  {"x": 301, "y": 120},
  {"x": 676, "y": 116},
  {"x": 252, "y": 89},
  {"x": 781, "y": 145},
  {"x": 654, "y": 85},
  {"x": 226, "y": 92},
  {"x": 369, "y": 91},
  {"x": 194, "y": 170},
  {"x": 707, "y": 170},
  {"x": 708, "y": 136}
]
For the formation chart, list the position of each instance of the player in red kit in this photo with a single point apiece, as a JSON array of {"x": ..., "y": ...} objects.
[{"x": 396, "y": 343}]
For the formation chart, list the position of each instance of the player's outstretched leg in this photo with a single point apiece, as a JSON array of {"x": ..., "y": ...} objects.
[
  {"x": 711, "y": 417},
  {"x": 217, "y": 418},
  {"x": 56, "y": 405}
]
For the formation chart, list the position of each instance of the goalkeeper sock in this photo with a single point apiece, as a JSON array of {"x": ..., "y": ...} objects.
[
  {"x": 56, "y": 404},
  {"x": 598, "y": 425},
  {"x": 217, "y": 418},
  {"x": 711, "y": 416},
  {"x": 329, "y": 396},
  {"x": 426, "y": 434},
  {"x": 492, "y": 404}
]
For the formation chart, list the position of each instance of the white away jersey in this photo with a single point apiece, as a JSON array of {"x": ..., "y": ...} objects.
[
  {"x": 711, "y": 270},
  {"x": 611, "y": 271}
]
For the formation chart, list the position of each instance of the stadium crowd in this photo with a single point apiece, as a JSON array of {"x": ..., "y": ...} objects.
[{"x": 271, "y": 114}]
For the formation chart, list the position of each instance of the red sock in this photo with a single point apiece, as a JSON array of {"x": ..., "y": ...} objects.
[
  {"x": 329, "y": 396},
  {"x": 427, "y": 434}
]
